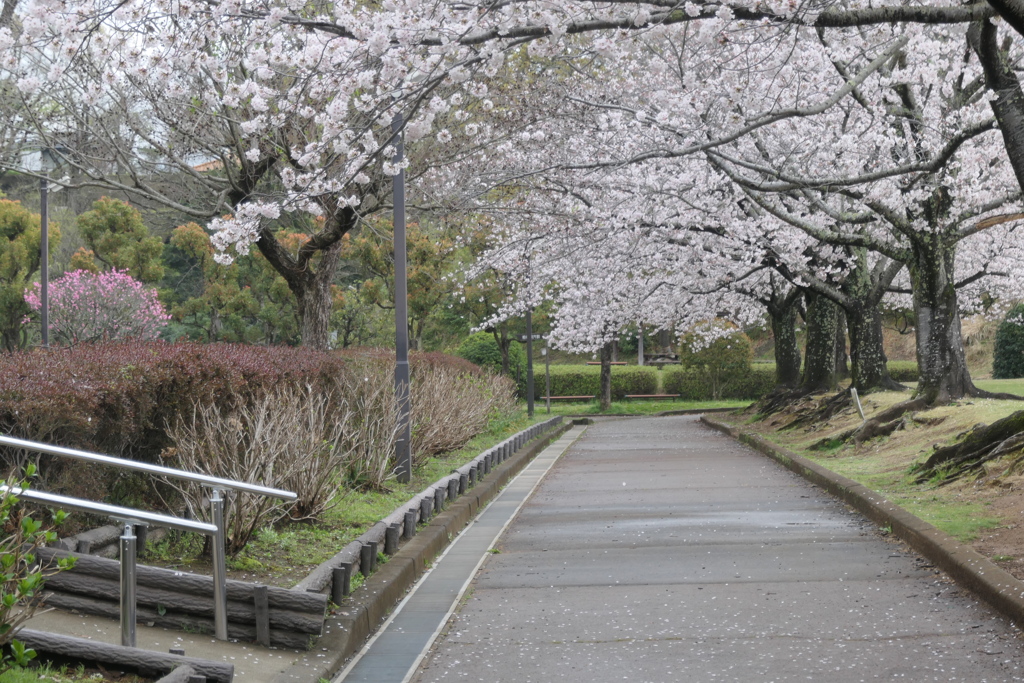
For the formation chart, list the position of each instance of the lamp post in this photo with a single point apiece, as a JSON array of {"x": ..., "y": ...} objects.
[
  {"x": 46, "y": 165},
  {"x": 403, "y": 455},
  {"x": 529, "y": 362}
]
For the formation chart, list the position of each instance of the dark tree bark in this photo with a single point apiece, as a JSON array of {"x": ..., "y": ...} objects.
[
  {"x": 782, "y": 309},
  {"x": 868, "y": 363},
  {"x": 502, "y": 339},
  {"x": 1000, "y": 77},
  {"x": 606, "y": 376},
  {"x": 842, "y": 366},
  {"x": 858, "y": 297},
  {"x": 308, "y": 279},
  {"x": 862, "y": 292},
  {"x": 940, "y": 350},
  {"x": 820, "y": 364}
]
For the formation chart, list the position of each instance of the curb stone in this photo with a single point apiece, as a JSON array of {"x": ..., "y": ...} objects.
[
  {"x": 966, "y": 566},
  {"x": 347, "y": 629}
]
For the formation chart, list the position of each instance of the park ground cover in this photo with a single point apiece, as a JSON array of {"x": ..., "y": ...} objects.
[{"x": 984, "y": 511}]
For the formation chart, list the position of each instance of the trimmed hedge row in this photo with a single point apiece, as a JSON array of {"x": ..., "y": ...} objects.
[
  {"x": 1008, "y": 354},
  {"x": 585, "y": 380},
  {"x": 692, "y": 385},
  {"x": 903, "y": 370},
  {"x": 117, "y": 398},
  {"x": 122, "y": 398}
]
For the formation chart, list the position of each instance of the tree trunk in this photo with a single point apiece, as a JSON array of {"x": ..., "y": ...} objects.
[
  {"x": 820, "y": 363},
  {"x": 941, "y": 362},
  {"x": 606, "y": 376},
  {"x": 309, "y": 280},
  {"x": 1000, "y": 77},
  {"x": 869, "y": 369},
  {"x": 842, "y": 367},
  {"x": 787, "y": 351},
  {"x": 501, "y": 339},
  {"x": 314, "y": 300}
]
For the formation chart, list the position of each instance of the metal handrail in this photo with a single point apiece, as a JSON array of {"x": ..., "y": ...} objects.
[
  {"x": 205, "y": 479},
  {"x": 113, "y": 511},
  {"x": 217, "y": 486},
  {"x": 128, "y": 542}
]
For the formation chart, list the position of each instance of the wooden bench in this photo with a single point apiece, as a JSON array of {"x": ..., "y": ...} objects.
[
  {"x": 570, "y": 398},
  {"x": 652, "y": 395}
]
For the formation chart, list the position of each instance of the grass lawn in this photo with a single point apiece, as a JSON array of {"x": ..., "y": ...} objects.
[
  {"x": 634, "y": 407},
  {"x": 1006, "y": 386},
  {"x": 50, "y": 673}
]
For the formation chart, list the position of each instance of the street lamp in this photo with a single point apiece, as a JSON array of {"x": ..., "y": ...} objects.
[
  {"x": 529, "y": 362},
  {"x": 46, "y": 164},
  {"x": 403, "y": 454}
]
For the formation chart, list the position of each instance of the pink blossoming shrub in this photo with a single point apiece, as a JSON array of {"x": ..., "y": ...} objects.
[{"x": 87, "y": 307}]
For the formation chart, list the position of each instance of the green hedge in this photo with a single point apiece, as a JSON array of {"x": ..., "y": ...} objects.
[
  {"x": 692, "y": 385},
  {"x": 899, "y": 370},
  {"x": 903, "y": 370},
  {"x": 1008, "y": 355},
  {"x": 585, "y": 380}
]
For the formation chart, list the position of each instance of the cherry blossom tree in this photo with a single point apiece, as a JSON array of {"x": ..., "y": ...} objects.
[{"x": 875, "y": 103}]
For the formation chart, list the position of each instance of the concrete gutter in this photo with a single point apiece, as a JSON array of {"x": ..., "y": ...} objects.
[
  {"x": 361, "y": 614},
  {"x": 968, "y": 568}
]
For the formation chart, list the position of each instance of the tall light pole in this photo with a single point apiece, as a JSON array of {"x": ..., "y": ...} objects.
[
  {"x": 529, "y": 362},
  {"x": 403, "y": 455},
  {"x": 45, "y": 166}
]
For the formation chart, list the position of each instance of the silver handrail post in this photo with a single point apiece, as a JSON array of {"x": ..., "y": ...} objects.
[
  {"x": 128, "y": 548},
  {"x": 220, "y": 572}
]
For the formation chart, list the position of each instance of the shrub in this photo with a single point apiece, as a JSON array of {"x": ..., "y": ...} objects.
[
  {"x": 692, "y": 385},
  {"x": 290, "y": 438},
  {"x": 585, "y": 380},
  {"x": 314, "y": 442},
  {"x": 452, "y": 399},
  {"x": 1008, "y": 355},
  {"x": 717, "y": 353},
  {"x": 482, "y": 349},
  {"x": 903, "y": 370},
  {"x": 449, "y": 409},
  {"x": 119, "y": 398},
  {"x": 21, "y": 577},
  {"x": 89, "y": 307}
]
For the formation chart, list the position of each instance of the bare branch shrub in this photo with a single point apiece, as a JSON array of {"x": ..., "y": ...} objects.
[
  {"x": 316, "y": 442},
  {"x": 450, "y": 407},
  {"x": 287, "y": 438},
  {"x": 368, "y": 394}
]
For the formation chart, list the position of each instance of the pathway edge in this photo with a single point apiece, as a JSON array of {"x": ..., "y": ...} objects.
[
  {"x": 966, "y": 566},
  {"x": 347, "y": 630}
]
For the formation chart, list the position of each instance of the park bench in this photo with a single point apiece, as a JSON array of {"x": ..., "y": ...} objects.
[
  {"x": 571, "y": 398},
  {"x": 652, "y": 395}
]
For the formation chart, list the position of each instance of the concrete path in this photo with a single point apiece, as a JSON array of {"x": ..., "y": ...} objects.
[
  {"x": 392, "y": 655},
  {"x": 660, "y": 550}
]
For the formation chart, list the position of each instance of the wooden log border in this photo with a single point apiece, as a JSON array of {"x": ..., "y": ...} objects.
[
  {"x": 182, "y": 600},
  {"x": 141, "y": 661}
]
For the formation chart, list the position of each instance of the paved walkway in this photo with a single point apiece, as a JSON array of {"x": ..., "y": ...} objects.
[{"x": 660, "y": 550}]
